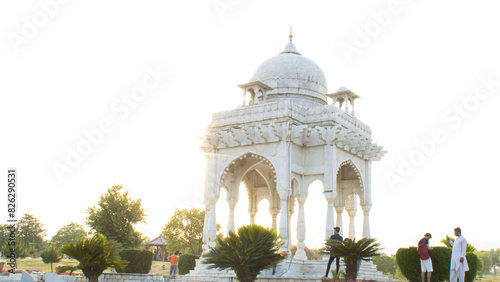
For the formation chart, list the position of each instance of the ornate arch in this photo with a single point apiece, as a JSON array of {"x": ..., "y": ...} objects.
[
  {"x": 256, "y": 160},
  {"x": 350, "y": 163}
]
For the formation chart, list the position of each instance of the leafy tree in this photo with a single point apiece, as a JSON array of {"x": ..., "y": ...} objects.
[
  {"x": 184, "y": 231},
  {"x": 353, "y": 252},
  {"x": 69, "y": 233},
  {"x": 386, "y": 264},
  {"x": 249, "y": 251},
  {"x": 94, "y": 255},
  {"x": 22, "y": 250},
  {"x": 487, "y": 263},
  {"x": 31, "y": 232},
  {"x": 495, "y": 259},
  {"x": 4, "y": 234},
  {"x": 51, "y": 255},
  {"x": 116, "y": 215}
]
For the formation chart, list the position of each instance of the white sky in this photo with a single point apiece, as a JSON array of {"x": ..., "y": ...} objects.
[{"x": 69, "y": 73}]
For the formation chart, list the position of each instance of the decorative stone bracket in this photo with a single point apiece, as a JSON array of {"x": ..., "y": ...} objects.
[{"x": 346, "y": 139}]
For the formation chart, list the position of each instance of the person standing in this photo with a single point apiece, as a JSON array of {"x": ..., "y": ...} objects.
[
  {"x": 335, "y": 236},
  {"x": 425, "y": 258},
  {"x": 173, "y": 263},
  {"x": 458, "y": 264}
]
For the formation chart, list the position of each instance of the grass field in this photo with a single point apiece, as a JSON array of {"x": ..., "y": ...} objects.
[
  {"x": 489, "y": 278},
  {"x": 158, "y": 267}
]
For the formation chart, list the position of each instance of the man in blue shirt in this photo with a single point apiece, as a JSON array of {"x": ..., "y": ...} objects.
[{"x": 335, "y": 236}]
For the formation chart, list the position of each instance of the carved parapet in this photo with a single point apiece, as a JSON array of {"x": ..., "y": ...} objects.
[{"x": 287, "y": 109}]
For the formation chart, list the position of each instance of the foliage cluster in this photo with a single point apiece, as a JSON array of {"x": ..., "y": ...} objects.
[
  {"x": 385, "y": 264},
  {"x": 353, "y": 252},
  {"x": 94, "y": 256},
  {"x": 139, "y": 261},
  {"x": 69, "y": 233},
  {"x": 186, "y": 263},
  {"x": 248, "y": 251},
  {"x": 184, "y": 231},
  {"x": 115, "y": 217},
  {"x": 51, "y": 255},
  {"x": 408, "y": 262},
  {"x": 29, "y": 237}
]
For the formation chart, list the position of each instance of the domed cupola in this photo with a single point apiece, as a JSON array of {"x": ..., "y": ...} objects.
[{"x": 288, "y": 76}]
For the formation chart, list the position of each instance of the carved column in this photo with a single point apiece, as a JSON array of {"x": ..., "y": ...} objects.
[
  {"x": 352, "y": 229},
  {"x": 366, "y": 220},
  {"x": 330, "y": 221},
  {"x": 301, "y": 229},
  {"x": 340, "y": 210},
  {"x": 230, "y": 221},
  {"x": 351, "y": 211},
  {"x": 291, "y": 210},
  {"x": 244, "y": 96},
  {"x": 212, "y": 224},
  {"x": 252, "y": 213},
  {"x": 284, "y": 219},
  {"x": 274, "y": 213},
  {"x": 330, "y": 186},
  {"x": 205, "y": 230}
]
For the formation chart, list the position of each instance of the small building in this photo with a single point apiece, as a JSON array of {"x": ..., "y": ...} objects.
[{"x": 159, "y": 250}]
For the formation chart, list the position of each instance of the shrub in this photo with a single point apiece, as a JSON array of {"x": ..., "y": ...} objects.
[
  {"x": 140, "y": 261},
  {"x": 472, "y": 260},
  {"x": 248, "y": 251},
  {"x": 94, "y": 255},
  {"x": 408, "y": 262},
  {"x": 186, "y": 263}
]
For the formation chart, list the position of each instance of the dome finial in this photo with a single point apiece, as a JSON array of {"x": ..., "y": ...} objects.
[{"x": 290, "y": 36}]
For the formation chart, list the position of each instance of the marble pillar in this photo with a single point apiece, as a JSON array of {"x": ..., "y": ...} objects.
[
  {"x": 301, "y": 229},
  {"x": 366, "y": 220}
]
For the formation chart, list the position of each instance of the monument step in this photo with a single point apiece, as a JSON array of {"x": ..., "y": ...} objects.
[{"x": 233, "y": 279}]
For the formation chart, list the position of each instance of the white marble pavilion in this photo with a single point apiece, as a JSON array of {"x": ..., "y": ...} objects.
[{"x": 288, "y": 132}]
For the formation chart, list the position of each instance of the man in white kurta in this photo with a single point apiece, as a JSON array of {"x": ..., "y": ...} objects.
[{"x": 458, "y": 265}]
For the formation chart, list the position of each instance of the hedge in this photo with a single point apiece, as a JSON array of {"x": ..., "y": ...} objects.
[
  {"x": 472, "y": 259},
  {"x": 408, "y": 262},
  {"x": 140, "y": 261},
  {"x": 186, "y": 263}
]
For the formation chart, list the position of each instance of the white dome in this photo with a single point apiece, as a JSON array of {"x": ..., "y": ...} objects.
[{"x": 292, "y": 76}]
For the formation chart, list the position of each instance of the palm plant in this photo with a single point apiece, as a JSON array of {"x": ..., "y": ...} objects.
[
  {"x": 353, "y": 252},
  {"x": 249, "y": 251},
  {"x": 94, "y": 256},
  {"x": 469, "y": 248}
]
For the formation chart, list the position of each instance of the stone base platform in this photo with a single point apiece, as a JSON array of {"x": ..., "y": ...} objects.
[{"x": 288, "y": 270}]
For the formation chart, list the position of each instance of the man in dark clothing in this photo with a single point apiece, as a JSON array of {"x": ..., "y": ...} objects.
[
  {"x": 335, "y": 236},
  {"x": 425, "y": 259}
]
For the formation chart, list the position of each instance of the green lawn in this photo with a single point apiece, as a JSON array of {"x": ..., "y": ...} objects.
[
  {"x": 158, "y": 267},
  {"x": 489, "y": 278},
  {"x": 38, "y": 265}
]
